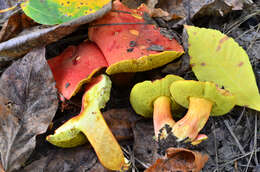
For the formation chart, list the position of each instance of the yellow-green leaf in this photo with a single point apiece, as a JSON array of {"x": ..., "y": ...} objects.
[
  {"x": 52, "y": 12},
  {"x": 218, "y": 58}
]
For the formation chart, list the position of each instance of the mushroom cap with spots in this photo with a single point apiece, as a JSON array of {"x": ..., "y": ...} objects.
[
  {"x": 223, "y": 101},
  {"x": 131, "y": 42},
  {"x": 144, "y": 94},
  {"x": 75, "y": 66}
]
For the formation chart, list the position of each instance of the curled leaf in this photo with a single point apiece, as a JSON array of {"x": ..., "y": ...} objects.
[{"x": 179, "y": 159}]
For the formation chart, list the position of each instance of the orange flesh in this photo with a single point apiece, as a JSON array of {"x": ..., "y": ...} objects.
[
  {"x": 162, "y": 114},
  {"x": 128, "y": 41},
  {"x": 194, "y": 120}
]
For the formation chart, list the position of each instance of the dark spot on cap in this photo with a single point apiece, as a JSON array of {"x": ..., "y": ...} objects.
[
  {"x": 240, "y": 64},
  {"x": 155, "y": 48},
  {"x": 68, "y": 2},
  {"x": 132, "y": 44},
  {"x": 130, "y": 49},
  {"x": 203, "y": 64},
  {"x": 67, "y": 85}
]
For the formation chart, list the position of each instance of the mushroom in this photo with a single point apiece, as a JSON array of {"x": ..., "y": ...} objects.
[
  {"x": 91, "y": 123},
  {"x": 130, "y": 43},
  {"x": 153, "y": 99},
  {"x": 76, "y": 66},
  {"x": 203, "y": 99}
]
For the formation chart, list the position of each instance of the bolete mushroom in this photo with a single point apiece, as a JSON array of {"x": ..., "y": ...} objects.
[
  {"x": 153, "y": 99},
  {"x": 130, "y": 43},
  {"x": 76, "y": 66},
  {"x": 91, "y": 123},
  {"x": 203, "y": 99}
]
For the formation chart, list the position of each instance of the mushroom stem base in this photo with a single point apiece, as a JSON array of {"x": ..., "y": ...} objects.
[
  {"x": 194, "y": 120},
  {"x": 162, "y": 116}
]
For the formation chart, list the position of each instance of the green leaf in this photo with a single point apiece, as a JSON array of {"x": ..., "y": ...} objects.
[
  {"x": 52, "y": 12},
  {"x": 218, "y": 58}
]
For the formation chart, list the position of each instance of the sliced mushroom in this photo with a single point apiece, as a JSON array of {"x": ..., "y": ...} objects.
[{"x": 91, "y": 123}]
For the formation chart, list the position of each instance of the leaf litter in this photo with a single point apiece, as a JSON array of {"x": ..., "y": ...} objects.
[
  {"x": 28, "y": 105},
  {"x": 223, "y": 149}
]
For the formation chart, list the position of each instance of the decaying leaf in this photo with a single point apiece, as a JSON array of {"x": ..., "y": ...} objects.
[
  {"x": 77, "y": 159},
  {"x": 145, "y": 147},
  {"x": 43, "y": 35},
  {"x": 50, "y": 12},
  {"x": 14, "y": 25},
  {"x": 218, "y": 58},
  {"x": 179, "y": 9},
  {"x": 120, "y": 122},
  {"x": 6, "y": 4},
  {"x": 28, "y": 102},
  {"x": 179, "y": 159}
]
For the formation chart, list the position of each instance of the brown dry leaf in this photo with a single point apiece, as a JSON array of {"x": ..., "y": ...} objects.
[
  {"x": 179, "y": 9},
  {"x": 179, "y": 159},
  {"x": 4, "y": 4},
  {"x": 120, "y": 122},
  {"x": 28, "y": 102},
  {"x": 77, "y": 159},
  {"x": 42, "y": 35},
  {"x": 14, "y": 25}
]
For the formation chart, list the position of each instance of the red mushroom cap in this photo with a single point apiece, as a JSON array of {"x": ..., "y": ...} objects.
[{"x": 75, "y": 66}]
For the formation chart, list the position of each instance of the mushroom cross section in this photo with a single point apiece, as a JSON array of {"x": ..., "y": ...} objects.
[
  {"x": 203, "y": 99},
  {"x": 130, "y": 42},
  {"x": 75, "y": 66},
  {"x": 91, "y": 123},
  {"x": 153, "y": 99}
]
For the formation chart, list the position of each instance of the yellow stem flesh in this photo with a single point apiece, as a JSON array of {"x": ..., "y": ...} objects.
[
  {"x": 194, "y": 120},
  {"x": 93, "y": 125},
  {"x": 162, "y": 114}
]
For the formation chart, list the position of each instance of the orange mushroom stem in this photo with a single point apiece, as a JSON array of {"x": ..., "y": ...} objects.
[
  {"x": 194, "y": 120},
  {"x": 162, "y": 115}
]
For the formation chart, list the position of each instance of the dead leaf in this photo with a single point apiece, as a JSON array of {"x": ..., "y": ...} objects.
[
  {"x": 120, "y": 122},
  {"x": 77, "y": 159},
  {"x": 28, "y": 102},
  {"x": 179, "y": 9},
  {"x": 14, "y": 25},
  {"x": 43, "y": 35},
  {"x": 179, "y": 159},
  {"x": 4, "y": 4}
]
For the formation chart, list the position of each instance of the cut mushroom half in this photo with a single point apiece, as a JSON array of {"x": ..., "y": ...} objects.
[
  {"x": 130, "y": 43},
  {"x": 203, "y": 99},
  {"x": 91, "y": 124}
]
